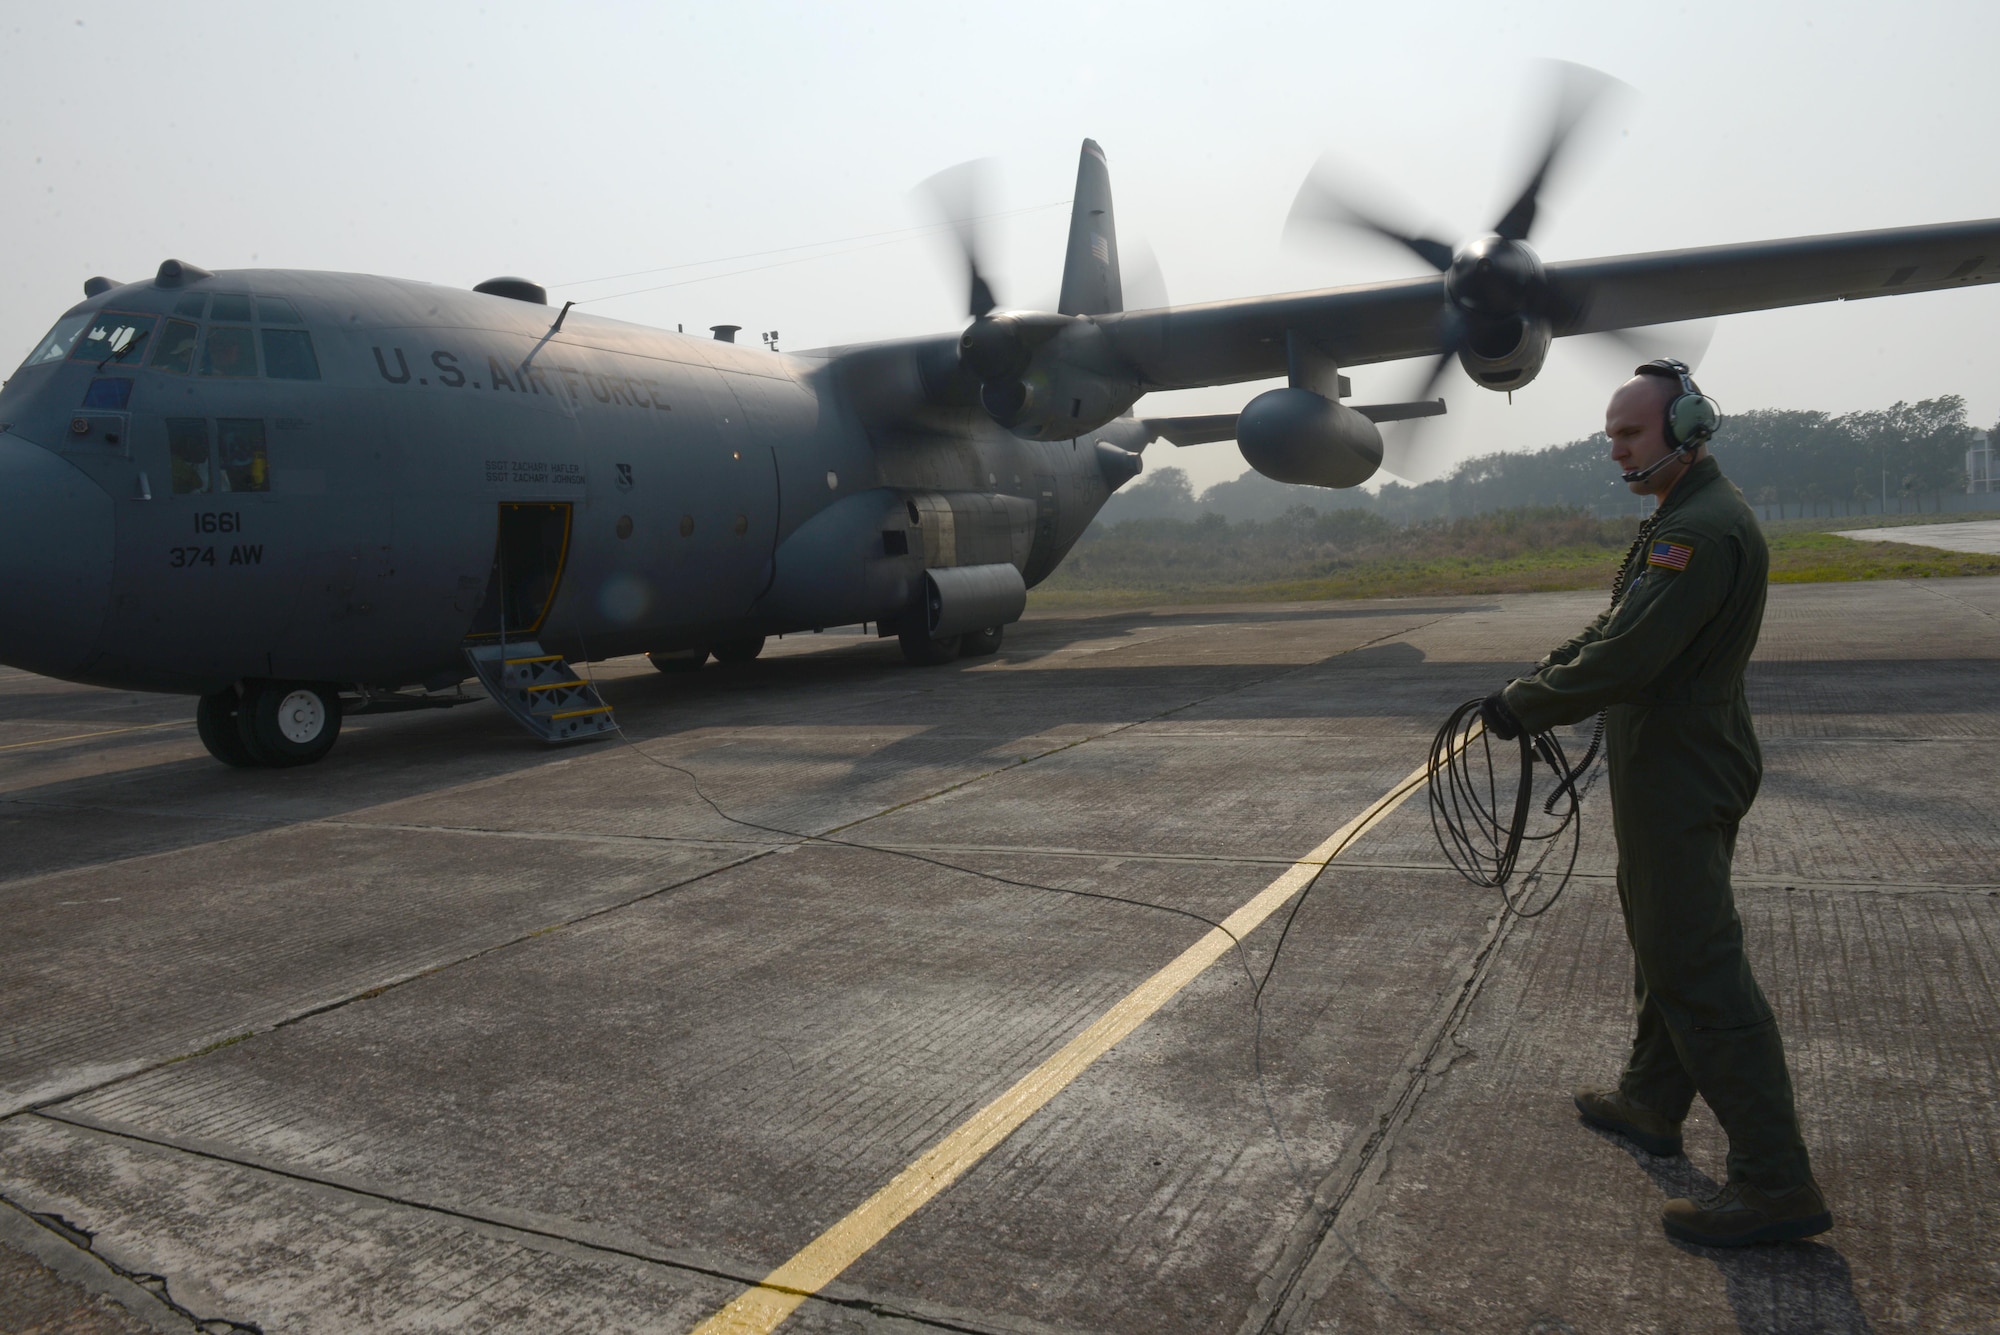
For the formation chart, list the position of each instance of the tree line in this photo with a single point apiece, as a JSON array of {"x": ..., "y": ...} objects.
[{"x": 1789, "y": 462}]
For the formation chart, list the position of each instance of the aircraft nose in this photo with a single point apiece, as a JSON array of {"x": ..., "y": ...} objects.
[{"x": 55, "y": 560}]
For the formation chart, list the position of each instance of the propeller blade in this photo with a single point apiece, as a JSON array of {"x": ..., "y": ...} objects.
[
  {"x": 1578, "y": 91},
  {"x": 957, "y": 194},
  {"x": 1145, "y": 286},
  {"x": 1321, "y": 204},
  {"x": 1411, "y": 451},
  {"x": 1687, "y": 342}
]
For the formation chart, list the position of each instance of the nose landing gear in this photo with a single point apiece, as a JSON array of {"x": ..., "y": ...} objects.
[{"x": 269, "y": 724}]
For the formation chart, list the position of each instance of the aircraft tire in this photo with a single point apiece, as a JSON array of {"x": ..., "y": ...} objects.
[
  {"x": 288, "y": 723},
  {"x": 920, "y": 650},
  {"x": 676, "y": 661},
  {"x": 739, "y": 651},
  {"x": 215, "y": 718},
  {"x": 979, "y": 643}
]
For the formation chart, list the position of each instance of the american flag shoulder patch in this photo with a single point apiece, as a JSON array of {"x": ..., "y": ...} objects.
[{"x": 1671, "y": 555}]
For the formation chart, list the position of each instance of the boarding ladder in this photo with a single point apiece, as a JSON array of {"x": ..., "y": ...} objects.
[{"x": 541, "y": 690}]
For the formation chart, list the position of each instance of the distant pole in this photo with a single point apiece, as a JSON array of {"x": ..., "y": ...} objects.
[{"x": 1885, "y": 491}]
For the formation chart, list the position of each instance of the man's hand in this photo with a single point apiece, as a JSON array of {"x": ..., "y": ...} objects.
[{"x": 1499, "y": 719}]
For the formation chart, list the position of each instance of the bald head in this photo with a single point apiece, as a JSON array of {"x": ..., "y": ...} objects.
[{"x": 1635, "y": 422}]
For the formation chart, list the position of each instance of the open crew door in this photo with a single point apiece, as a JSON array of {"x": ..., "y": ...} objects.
[
  {"x": 542, "y": 692},
  {"x": 528, "y": 559}
]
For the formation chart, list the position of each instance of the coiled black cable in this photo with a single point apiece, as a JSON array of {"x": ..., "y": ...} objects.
[{"x": 1481, "y": 831}]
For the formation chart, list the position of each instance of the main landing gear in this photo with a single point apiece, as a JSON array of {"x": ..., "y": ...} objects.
[
  {"x": 920, "y": 650},
  {"x": 269, "y": 724},
  {"x": 673, "y": 661}
]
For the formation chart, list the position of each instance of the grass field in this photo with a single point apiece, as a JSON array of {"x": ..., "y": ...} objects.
[{"x": 1520, "y": 552}]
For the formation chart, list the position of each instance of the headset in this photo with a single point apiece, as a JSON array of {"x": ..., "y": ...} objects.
[{"x": 1691, "y": 416}]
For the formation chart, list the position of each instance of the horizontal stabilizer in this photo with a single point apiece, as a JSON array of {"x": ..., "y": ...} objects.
[
  {"x": 1400, "y": 412},
  {"x": 1201, "y": 430}
]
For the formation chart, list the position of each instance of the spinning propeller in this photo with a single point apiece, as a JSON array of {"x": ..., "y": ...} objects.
[{"x": 1499, "y": 300}]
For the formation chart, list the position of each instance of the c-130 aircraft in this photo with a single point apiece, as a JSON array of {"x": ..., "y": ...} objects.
[{"x": 301, "y": 495}]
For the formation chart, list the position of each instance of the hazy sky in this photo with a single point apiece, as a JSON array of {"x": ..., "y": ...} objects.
[{"x": 455, "y": 142}]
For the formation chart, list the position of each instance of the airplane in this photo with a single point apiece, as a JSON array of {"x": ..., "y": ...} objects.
[{"x": 303, "y": 496}]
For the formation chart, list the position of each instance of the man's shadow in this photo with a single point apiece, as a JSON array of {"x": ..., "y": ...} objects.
[{"x": 1779, "y": 1288}]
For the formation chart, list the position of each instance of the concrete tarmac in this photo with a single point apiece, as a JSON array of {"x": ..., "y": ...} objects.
[
  {"x": 453, "y": 1031},
  {"x": 1977, "y": 535}
]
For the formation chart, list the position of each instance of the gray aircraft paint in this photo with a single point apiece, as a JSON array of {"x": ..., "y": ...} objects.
[{"x": 374, "y": 543}]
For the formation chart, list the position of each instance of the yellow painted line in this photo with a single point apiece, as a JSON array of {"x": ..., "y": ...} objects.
[
  {"x": 579, "y": 713},
  {"x": 760, "y": 1308},
  {"x": 81, "y": 736}
]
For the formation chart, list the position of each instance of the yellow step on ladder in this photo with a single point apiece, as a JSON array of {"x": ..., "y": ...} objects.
[{"x": 542, "y": 691}]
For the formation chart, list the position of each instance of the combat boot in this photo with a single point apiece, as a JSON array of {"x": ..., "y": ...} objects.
[
  {"x": 1610, "y": 1110},
  {"x": 1739, "y": 1215}
]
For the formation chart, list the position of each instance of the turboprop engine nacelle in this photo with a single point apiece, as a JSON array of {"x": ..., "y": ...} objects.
[
  {"x": 1045, "y": 377},
  {"x": 1504, "y": 354},
  {"x": 1295, "y": 435}
]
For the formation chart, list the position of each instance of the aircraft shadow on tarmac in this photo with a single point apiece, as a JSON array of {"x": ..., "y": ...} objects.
[
  {"x": 1790, "y": 1288},
  {"x": 157, "y": 805},
  {"x": 861, "y": 683}
]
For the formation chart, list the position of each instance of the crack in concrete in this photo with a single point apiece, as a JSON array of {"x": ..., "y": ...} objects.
[
  {"x": 84, "y": 1240},
  {"x": 1306, "y": 1267},
  {"x": 493, "y": 1225}
]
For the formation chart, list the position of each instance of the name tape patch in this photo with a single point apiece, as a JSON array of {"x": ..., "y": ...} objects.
[{"x": 1671, "y": 555}]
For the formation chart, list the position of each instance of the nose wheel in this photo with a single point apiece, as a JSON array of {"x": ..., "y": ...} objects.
[{"x": 270, "y": 724}]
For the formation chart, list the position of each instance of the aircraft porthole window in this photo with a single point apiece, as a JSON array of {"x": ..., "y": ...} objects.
[
  {"x": 230, "y": 352},
  {"x": 233, "y": 306},
  {"x": 288, "y": 355},
  {"x": 187, "y": 455},
  {"x": 742, "y": 525},
  {"x": 56, "y": 346},
  {"x": 624, "y": 526},
  {"x": 175, "y": 349},
  {"x": 192, "y": 305},
  {"x": 833, "y": 481},
  {"x": 687, "y": 526},
  {"x": 239, "y": 445}
]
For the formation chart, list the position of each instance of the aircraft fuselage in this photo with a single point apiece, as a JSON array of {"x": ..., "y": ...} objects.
[{"x": 312, "y": 476}]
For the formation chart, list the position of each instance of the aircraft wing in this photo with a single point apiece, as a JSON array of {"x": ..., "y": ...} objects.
[{"x": 1228, "y": 341}]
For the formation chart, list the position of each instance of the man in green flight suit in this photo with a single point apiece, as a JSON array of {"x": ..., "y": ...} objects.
[{"x": 1665, "y": 662}]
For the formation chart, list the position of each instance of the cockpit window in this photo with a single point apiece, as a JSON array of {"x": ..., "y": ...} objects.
[
  {"x": 173, "y": 349},
  {"x": 230, "y": 306},
  {"x": 276, "y": 310},
  {"x": 239, "y": 443},
  {"x": 229, "y": 352},
  {"x": 192, "y": 305},
  {"x": 56, "y": 346},
  {"x": 113, "y": 336},
  {"x": 288, "y": 355},
  {"x": 187, "y": 454}
]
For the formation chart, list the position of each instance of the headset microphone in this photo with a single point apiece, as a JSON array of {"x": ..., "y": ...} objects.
[
  {"x": 1641, "y": 474},
  {"x": 1690, "y": 420}
]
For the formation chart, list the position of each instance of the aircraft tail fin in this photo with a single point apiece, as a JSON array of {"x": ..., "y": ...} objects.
[{"x": 1090, "y": 283}]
